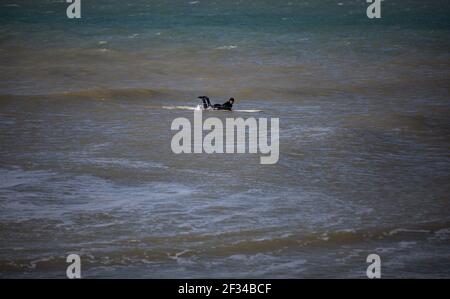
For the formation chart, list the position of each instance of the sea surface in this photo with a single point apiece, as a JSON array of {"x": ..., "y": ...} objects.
[{"x": 86, "y": 165}]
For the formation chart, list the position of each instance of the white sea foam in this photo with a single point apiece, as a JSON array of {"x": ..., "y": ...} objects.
[
  {"x": 404, "y": 230},
  {"x": 442, "y": 234},
  {"x": 227, "y": 47}
]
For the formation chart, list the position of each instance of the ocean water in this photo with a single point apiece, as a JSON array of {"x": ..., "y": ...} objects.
[{"x": 86, "y": 165}]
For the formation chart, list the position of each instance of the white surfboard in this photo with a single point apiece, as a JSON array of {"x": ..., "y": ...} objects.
[{"x": 199, "y": 107}]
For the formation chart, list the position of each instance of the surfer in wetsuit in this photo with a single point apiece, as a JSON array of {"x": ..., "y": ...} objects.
[{"x": 228, "y": 105}]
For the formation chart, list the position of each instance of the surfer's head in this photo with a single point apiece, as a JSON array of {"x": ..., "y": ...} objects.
[{"x": 231, "y": 100}]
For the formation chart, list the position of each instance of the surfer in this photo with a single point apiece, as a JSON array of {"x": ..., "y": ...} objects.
[{"x": 228, "y": 105}]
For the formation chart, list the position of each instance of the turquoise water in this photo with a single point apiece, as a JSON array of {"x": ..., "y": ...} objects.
[{"x": 86, "y": 164}]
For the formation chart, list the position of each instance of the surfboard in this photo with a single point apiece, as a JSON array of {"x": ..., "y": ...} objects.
[
  {"x": 200, "y": 108},
  {"x": 248, "y": 111},
  {"x": 179, "y": 107}
]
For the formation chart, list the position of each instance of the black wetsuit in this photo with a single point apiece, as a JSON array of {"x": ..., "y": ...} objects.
[{"x": 225, "y": 106}]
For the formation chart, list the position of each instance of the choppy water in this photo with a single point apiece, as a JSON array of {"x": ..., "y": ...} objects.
[{"x": 86, "y": 164}]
